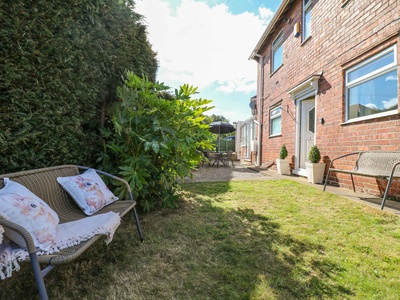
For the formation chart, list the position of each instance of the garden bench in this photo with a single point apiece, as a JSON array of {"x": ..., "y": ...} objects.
[
  {"x": 377, "y": 164},
  {"x": 43, "y": 183}
]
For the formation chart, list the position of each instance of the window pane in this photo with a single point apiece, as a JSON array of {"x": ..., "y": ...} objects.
[
  {"x": 372, "y": 66},
  {"x": 311, "y": 120},
  {"x": 307, "y": 24},
  {"x": 373, "y": 96},
  {"x": 278, "y": 39},
  {"x": 277, "y": 58},
  {"x": 276, "y": 126},
  {"x": 276, "y": 111}
]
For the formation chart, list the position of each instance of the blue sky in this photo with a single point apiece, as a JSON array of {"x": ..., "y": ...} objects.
[{"x": 206, "y": 43}]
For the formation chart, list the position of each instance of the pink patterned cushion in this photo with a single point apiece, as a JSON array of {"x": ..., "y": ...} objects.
[
  {"x": 24, "y": 208},
  {"x": 88, "y": 190}
]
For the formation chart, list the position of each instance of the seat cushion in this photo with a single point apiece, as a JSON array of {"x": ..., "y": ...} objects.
[
  {"x": 88, "y": 190},
  {"x": 21, "y": 206}
]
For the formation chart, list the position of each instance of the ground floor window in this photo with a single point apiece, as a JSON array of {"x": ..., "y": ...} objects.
[
  {"x": 275, "y": 117},
  {"x": 371, "y": 86}
]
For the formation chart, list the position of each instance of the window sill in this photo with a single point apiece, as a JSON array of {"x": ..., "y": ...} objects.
[
  {"x": 275, "y": 135},
  {"x": 276, "y": 70},
  {"x": 305, "y": 41},
  {"x": 370, "y": 117}
]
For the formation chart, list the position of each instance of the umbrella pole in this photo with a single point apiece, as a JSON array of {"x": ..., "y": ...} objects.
[{"x": 219, "y": 139}]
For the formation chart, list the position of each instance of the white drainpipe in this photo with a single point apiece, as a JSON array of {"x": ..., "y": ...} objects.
[{"x": 260, "y": 108}]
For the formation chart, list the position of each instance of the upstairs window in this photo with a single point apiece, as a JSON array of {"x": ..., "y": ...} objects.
[
  {"x": 372, "y": 87},
  {"x": 306, "y": 19},
  {"x": 277, "y": 52},
  {"x": 275, "y": 120}
]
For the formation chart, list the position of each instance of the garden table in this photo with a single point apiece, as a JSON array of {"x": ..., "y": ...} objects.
[{"x": 219, "y": 157}]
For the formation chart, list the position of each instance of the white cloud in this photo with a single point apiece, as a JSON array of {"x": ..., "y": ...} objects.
[
  {"x": 372, "y": 106},
  {"x": 245, "y": 85},
  {"x": 391, "y": 77},
  {"x": 202, "y": 45},
  {"x": 266, "y": 14},
  {"x": 390, "y": 103}
]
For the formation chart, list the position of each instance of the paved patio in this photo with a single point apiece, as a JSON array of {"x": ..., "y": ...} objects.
[{"x": 242, "y": 171}]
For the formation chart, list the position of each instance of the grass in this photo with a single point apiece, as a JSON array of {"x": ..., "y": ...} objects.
[{"x": 238, "y": 240}]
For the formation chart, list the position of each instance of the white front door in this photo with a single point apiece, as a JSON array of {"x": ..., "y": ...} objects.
[{"x": 307, "y": 130}]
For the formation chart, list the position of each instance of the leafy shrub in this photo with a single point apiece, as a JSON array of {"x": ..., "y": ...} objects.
[{"x": 154, "y": 141}]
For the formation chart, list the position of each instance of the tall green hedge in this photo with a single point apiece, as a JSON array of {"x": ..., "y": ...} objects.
[{"x": 60, "y": 64}]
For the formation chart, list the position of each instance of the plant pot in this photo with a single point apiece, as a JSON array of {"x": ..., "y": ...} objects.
[
  {"x": 283, "y": 166},
  {"x": 315, "y": 172}
]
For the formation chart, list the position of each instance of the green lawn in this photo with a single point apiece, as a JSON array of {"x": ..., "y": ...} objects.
[{"x": 238, "y": 240}]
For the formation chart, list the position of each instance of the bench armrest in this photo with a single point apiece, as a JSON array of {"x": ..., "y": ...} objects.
[
  {"x": 128, "y": 188},
  {"x": 22, "y": 231},
  {"x": 395, "y": 165}
]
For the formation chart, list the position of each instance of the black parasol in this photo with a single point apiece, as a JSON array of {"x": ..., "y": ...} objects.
[{"x": 219, "y": 127}]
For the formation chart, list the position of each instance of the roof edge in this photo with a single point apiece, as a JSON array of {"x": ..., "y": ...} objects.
[{"x": 269, "y": 28}]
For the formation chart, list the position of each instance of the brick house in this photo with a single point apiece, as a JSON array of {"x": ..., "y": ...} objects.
[{"x": 328, "y": 75}]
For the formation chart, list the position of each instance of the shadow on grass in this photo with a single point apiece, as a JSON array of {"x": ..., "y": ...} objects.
[
  {"x": 257, "y": 261},
  {"x": 199, "y": 251}
]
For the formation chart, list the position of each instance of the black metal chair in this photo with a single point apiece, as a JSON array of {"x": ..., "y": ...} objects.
[
  {"x": 229, "y": 158},
  {"x": 206, "y": 159}
]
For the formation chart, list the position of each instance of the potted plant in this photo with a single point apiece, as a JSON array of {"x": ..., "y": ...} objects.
[
  {"x": 282, "y": 165},
  {"x": 315, "y": 170}
]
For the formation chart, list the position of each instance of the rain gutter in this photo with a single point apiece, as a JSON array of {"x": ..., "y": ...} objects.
[{"x": 260, "y": 108}]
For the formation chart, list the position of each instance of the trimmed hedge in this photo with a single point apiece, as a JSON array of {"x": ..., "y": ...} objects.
[{"x": 60, "y": 64}]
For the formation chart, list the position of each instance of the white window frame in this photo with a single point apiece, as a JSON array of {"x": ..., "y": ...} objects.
[
  {"x": 306, "y": 10},
  {"x": 383, "y": 70},
  {"x": 276, "y": 45},
  {"x": 271, "y": 118},
  {"x": 244, "y": 134}
]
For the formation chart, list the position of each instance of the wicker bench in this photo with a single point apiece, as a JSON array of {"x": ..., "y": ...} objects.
[
  {"x": 377, "y": 164},
  {"x": 43, "y": 183}
]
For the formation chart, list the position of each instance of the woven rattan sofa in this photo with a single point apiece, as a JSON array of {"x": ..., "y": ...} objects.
[
  {"x": 43, "y": 183},
  {"x": 377, "y": 164}
]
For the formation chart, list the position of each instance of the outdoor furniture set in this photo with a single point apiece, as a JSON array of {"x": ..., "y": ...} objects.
[
  {"x": 51, "y": 216},
  {"x": 215, "y": 158},
  {"x": 377, "y": 164}
]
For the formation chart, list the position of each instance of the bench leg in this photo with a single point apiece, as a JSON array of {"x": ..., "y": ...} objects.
[
  {"x": 352, "y": 181},
  {"x": 138, "y": 224},
  {"x": 326, "y": 180},
  {"x": 386, "y": 193},
  {"x": 38, "y": 276}
]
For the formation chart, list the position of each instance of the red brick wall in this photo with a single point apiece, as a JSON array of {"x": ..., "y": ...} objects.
[{"x": 341, "y": 37}]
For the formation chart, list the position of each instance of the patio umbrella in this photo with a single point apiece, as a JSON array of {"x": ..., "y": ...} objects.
[{"x": 219, "y": 127}]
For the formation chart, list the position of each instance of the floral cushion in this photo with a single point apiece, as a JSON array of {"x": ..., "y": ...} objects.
[
  {"x": 88, "y": 190},
  {"x": 21, "y": 206}
]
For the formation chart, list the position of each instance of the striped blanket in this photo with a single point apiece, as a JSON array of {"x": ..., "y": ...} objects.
[{"x": 68, "y": 234}]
